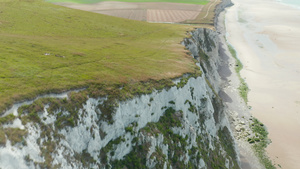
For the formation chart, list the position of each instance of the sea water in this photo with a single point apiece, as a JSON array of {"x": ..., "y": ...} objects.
[{"x": 294, "y": 3}]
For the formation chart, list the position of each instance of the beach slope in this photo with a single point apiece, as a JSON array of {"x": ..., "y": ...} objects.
[{"x": 266, "y": 35}]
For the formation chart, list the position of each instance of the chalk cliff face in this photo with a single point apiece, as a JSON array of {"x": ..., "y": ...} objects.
[
  {"x": 181, "y": 126},
  {"x": 204, "y": 47}
]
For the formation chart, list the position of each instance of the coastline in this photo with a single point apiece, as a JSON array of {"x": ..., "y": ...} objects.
[
  {"x": 236, "y": 108},
  {"x": 289, "y": 3},
  {"x": 266, "y": 43}
]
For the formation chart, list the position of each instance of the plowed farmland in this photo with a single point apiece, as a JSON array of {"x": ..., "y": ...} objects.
[
  {"x": 145, "y": 11},
  {"x": 156, "y": 15}
]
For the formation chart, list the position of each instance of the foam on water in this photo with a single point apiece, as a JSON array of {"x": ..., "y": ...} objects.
[{"x": 293, "y": 3}]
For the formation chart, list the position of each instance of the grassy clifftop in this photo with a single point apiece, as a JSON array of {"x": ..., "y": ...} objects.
[
  {"x": 46, "y": 48},
  {"x": 198, "y": 2}
]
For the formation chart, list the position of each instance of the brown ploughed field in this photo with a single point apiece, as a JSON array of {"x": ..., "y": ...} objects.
[
  {"x": 134, "y": 14},
  {"x": 146, "y": 11},
  {"x": 175, "y": 16}
]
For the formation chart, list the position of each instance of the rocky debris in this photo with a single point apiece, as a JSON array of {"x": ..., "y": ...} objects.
[{"x": 242, "y": 127}]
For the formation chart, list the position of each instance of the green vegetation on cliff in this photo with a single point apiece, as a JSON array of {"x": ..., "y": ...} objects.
[
  {"x": 47, "y": 48},
  {"x": 260, "y": 143},
  {"x": 243, "y": 88},
  {"x": 179, "y": 146}
]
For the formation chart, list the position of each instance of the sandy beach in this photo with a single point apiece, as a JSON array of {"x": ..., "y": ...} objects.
[{"x": 266, "y": 36}]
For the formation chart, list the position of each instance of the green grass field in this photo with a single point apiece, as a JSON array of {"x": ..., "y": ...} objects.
[
  {"x": 198, "y": 2},
  {"x": 84, "y": 48}
]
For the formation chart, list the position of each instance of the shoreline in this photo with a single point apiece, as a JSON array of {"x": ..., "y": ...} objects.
[
  {"x": 289, "y": 5},
  {"x": 265, "y": 43},
  {"x": 236, "y": 108}
]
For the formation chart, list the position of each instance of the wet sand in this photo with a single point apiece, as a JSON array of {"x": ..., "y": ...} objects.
[{"x": 266, "y": 36}]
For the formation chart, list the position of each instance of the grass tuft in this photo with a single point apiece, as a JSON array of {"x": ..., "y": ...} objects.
[{"x": 15, "y": 135}]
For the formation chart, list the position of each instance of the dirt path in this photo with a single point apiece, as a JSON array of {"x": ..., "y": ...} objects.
[{"x": 208, "y": 10}]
